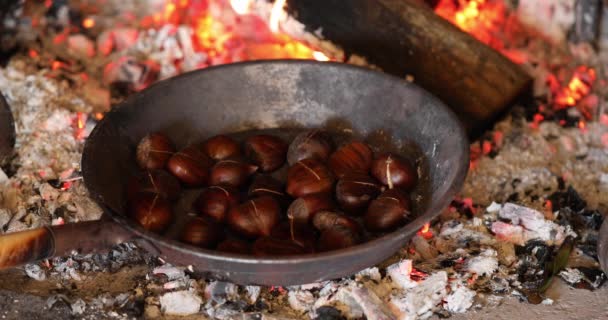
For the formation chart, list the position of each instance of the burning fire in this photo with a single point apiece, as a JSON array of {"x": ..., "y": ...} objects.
[
  {"x": 579, "y": 87},
  {"x": 480, "y": 18},
  {"x": 426, "y": 232}
]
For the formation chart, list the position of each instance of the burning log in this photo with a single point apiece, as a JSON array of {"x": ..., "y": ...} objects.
[{"x": 406, "y": 38}]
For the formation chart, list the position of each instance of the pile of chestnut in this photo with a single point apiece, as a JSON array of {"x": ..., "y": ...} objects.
[{"x": 331, "y": 199}]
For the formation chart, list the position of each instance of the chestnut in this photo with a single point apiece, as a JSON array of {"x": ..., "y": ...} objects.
[
  {"x": 151, "y": 211},
  {"x": 254, "y": 218},
  {"x": 301, "y": 210},
  {"x": 307, "y": 177},
  {"x": 394, "y": 171},
  {"x": 234, "y": 246},
  {"x": 191, "y": 166},
  {"x": 154, "y": 181},
  {"x": 269, "y": 246},
  {"x": 324, "y": 220},
  {"x": 265, "y": 185},
  {"x": 201, "y": 232},
  {"x": 353, "y": 157},
  {"x": 268, "y": 152},
  {"x": 231, "y": 173},
  {"x": 390, "y": 210},
  {"x": 312, "y": 144},
  {"x": 302, "y": 235},
  {"x": 354, "y": 192},
  {"x": 337, "y": 238},
  {"x": 221, "y": 147},
  {"x": 216, "y": 201},
  {"x": 153, "y": 151}
]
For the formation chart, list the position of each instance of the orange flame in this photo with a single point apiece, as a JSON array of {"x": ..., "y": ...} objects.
[
  {"x": 88, "y": 23},
  {"x": 579, "y": 87},
  {"x": 320, "y": 56},
  {"x": 426, "y": 232},
  {"x": 480, "y": 18}
]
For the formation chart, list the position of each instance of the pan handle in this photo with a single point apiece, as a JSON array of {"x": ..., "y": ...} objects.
[{"x": 37, "y": 244}]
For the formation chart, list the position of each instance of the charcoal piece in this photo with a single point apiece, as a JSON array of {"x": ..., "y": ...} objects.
[
  {"x": 587, "y": 23},
  {"x": 582, "y": 220},
  {"x": 595, "y": 277},
  {"x": 329, "y": 313},
  {"x": 569, "y": 198}
]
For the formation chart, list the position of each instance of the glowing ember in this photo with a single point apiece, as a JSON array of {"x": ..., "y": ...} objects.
[
  {"x": 275, "y": 15},
  {"x": 88, "y": 23},
  {"x": 605, "y": 139},
  {"x": 320, "y": 56},
  {"x": 579, "y": 87},
  {"x": 278, "y": 289},
  {"x": 426, "y": 232},
  {"x": 33, "y": 54},
  {"x": 56, "y": 65},
  {"x": 480, "y": 18},
  {"x": 79, "y": 125}
]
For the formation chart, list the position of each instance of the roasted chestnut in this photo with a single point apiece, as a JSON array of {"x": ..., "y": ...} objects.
[
  {"x": 307, "y": 177},
  {"x": 353, "y": 157},
  {"x": 153, "y": 151},
  {"x": 232, "y": 173},
  {"x": 265, "y": 185},
  {"x": 390, "y": 210},
  {"x": 151, "y": 211},
  {"x": 337, "y": 238},
  {"x": 394, "y": 171},
  {"x": 301, "y": 210},
  {"x": 221, "y": 147},
  {"x": 154, "y": 181},
  {"x": 354, "y": 192},
  {"x": 268, "y": 152},
  {"x": 302, "y": 235},
  {"x": 201, "y": 232},
  {"x": 313, "y": 144},
  {"x": 216, "y": 201},
  {"x": 234, "y": 246},
  {"x": 254, "y": 218},
  {"x": 269, "y": 246},
  {"x": 324, "y": 220},
  {"x": 191, "y": 166}
]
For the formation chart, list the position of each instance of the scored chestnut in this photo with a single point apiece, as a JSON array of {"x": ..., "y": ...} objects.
[
  {"x": 353, "y": 157},
  {"x": 221, "y": 147},
  {"x": 201, "y": 232},
  {"x": 337, "y": 238},
  {"x": 390, "y": 210},
  {"x": 156, "y": 182},
  {"x": 255, "y": 218},
  {"x": 309, "y": 176},
  {"x": 354, "y": 192},
  {"x": 153, "y": 151},
  {"x": 234, "y": 246},
  {"x": 324, "y": 220},
  {"x": 301, "y": 210},
  {"x": 216, "y": 201},
  {"x": 302, "y": 235},
  {"x": 312, "y": 144},
  {"x": 269, "y": 246},
  {"x": 191, "y": 166},
  {"x": 266, "y": 151},
  {"x": 231, "y": 173},
  {"x": 151, "y": 211},
  {"x": 265, "y": 185},
  {"x": 394, "y": 171}
]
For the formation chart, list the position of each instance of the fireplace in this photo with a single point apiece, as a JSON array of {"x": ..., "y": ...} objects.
[{"x": 524, "y": 228}]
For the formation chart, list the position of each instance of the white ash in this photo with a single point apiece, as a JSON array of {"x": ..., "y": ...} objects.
[
  {"x": 419, "y": 302},
  {"x": 460, "y": 299},
  {"x": 572, "y": 275},
  {"x": 219, "y": 292},
  {"x": 172, "y": 273},
  {"x": 363, "y": 300},
  {"x": 35, "y": 272},
  {"x": 253, "y": 293},
  {"x": 301, "y": 300},
  {"x": 400, "y": 274},
  {"x": 180, "y": 303},
  {"x": 494, "y": 207},
  {"x": 78, "y": 306},
  {"x": 533, "y": 226},
  {"x": 370, "y": 273},
  {"x": 483, "y": 265},
  {"x": 548, "y": 301}
]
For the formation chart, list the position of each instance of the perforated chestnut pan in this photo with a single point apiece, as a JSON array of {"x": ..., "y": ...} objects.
[{"x": 271, "y": 94}]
